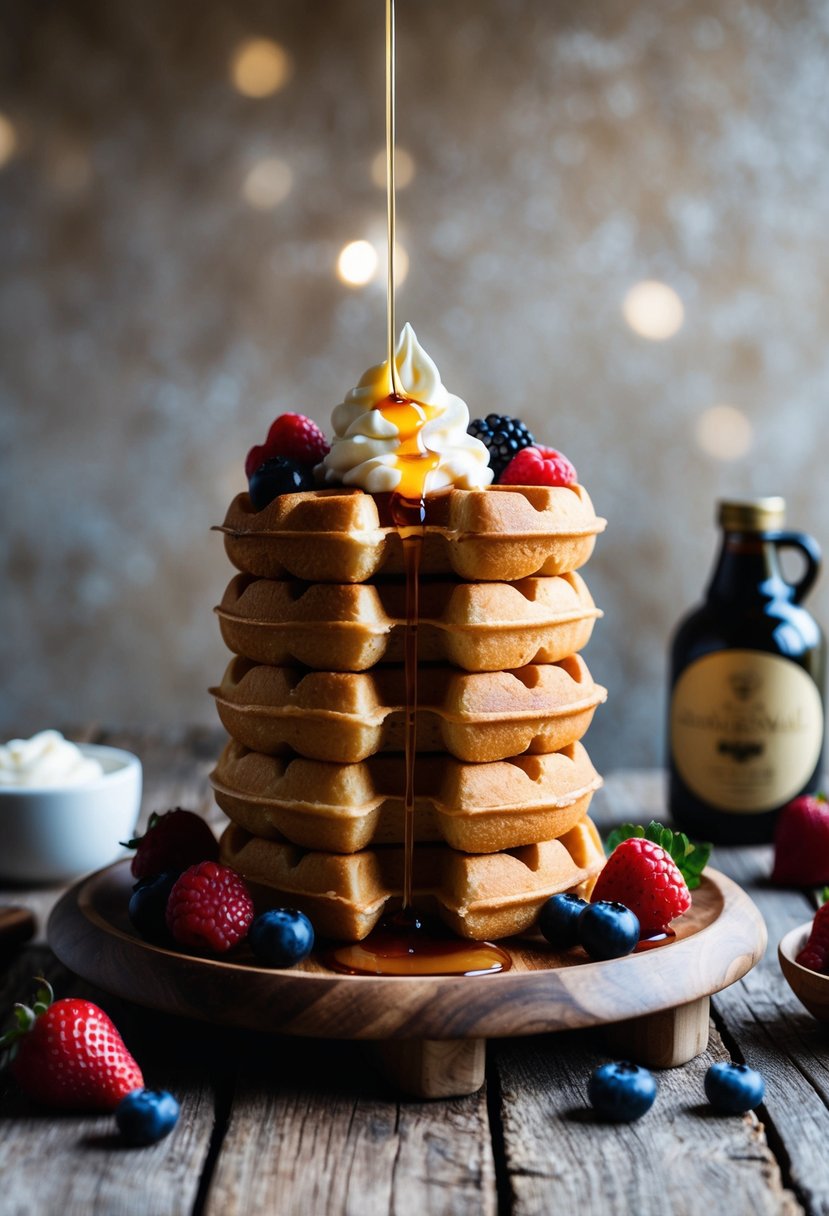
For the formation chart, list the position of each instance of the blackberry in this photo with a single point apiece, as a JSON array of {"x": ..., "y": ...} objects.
[{"x": 502, "y": 436}]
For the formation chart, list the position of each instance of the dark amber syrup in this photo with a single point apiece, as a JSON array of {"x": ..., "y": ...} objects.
[{"x": 658, "y": 939}]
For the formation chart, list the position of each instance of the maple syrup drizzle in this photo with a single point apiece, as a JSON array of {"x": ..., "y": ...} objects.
[{"x": 402, "y": 943}]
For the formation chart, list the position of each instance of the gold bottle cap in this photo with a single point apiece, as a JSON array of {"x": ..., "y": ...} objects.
[{"x": 752, "y": 515}]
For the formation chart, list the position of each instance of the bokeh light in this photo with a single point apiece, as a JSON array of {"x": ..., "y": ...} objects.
[
  {"x": 404, "y": 168},
  {"x": 267, "y": 183},
  {"x": 653, "y": 310},
  {"x": 260, "y": 67},
  {"x": 8, "y": 139},
  {"x": 357, "y": 263},
  {"x": 724, "y": 432}
]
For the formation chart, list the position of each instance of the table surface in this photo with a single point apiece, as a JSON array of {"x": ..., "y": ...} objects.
[{"x": 292, "y": 1126}]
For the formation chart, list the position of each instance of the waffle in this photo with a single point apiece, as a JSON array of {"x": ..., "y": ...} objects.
[
  {"x": 346, "y": 627},
  {"x": 483, "y": 897},
  {"x": 502, "y": 533},
  {"x": 346, "y": 717},
  {"x": 342, "y": 808}
]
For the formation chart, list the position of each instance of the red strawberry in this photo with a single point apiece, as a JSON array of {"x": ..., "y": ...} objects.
[
  {"x": 209, "y": 908},
  {"x": 801, "y": 843},
  {"x": 69, "y": 1054},
  {"x": 815, "y": 954},
  {"x": 173, "y": 841},
  {"x": 646, "y": 879},
  {"x": 538, "y": 466},
  {"x": 292, "y": 435}
]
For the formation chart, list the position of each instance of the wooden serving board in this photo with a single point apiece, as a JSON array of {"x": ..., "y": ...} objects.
[{"x": 431, "y": 1030}]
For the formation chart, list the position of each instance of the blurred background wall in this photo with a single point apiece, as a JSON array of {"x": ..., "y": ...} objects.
[{"x": 179, "y": 180}]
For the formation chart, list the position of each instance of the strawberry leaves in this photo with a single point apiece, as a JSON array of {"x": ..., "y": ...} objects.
[{"x": 691, "y": 859}]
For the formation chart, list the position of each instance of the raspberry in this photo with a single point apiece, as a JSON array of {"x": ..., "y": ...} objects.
[
  {"x": 815, "y": 954},
  {"x": 209, "y": 908},
  {"x": 643, "y": 877},
  {"x": 538, "y": 466},
  {"x": 173, "y": 841},
  {"x": 291, "y": 435},
  {"x": 502, "y": 436}
]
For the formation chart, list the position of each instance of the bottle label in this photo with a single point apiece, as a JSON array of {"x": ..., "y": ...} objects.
[{"x": 746, "y": 729}]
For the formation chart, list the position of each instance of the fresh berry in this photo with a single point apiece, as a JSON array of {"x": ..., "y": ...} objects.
[
  {"x": 148, "y": 905},
  {"x": 209, "y": 908},
  {"x": 278, "y": 475},
  {"x": 69, "y": 1054},
  {"x": 815, "y": 954},
  {"x": 282, "y": 937},
  {"x": 291, "y": 435},
  {"x": 558, "y": 920},
  {"x": 644, "y": 877},
  {"x": 173, "y": 841},
  {"x": 734, "y": 1088},
  {"x": 146, "y": 1116},
  {"x": 608, "y": 930},
  {"x": 502, "y": 436},
  {"x": 801, "y": 843},
  {"x": 621, "y": 1091},
  {"x": 538, "y": 466}
]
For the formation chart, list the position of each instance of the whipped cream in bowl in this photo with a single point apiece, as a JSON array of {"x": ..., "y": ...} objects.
[
  {"x": 65, "y": 808},
  {"x": 366, "y": 444}
]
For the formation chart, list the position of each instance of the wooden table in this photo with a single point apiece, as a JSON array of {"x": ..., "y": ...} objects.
[{"x": 284, "y": 1127}]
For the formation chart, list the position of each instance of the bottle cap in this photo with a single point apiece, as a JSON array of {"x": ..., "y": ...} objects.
[{"x": 752, "y": 515}]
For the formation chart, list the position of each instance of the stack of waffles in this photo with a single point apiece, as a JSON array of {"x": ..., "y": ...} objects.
[{"x": 312, "y": 778}]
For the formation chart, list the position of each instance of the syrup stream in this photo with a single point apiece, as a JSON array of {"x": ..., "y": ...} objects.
[{"x": 402, "y": 944}]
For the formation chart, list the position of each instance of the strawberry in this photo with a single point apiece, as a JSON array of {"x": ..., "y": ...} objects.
[
  {"x": 291, "y": 435},
  {"x": 69, "y": 1054},
  {"x": 815, "y": 954},
  {"x": 209, "y": 908},
  {"x": 173, "y": 841},
  {"x": 801, "y": 843},
  {"x": 538, "y": 466},
  {"x": 641, "y": 875}
]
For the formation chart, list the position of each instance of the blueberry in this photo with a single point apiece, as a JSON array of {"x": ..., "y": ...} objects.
[
  {"x": 281, "y": 937},
  {"x": 621, "y": 1092},
  {"x": 279, "y": 475},
  {"x": 608, "y": 929},
  {"x": 734, "y": 1088},
  {"x": 146, "y": 1115},
  {"x": 558, "y": 920},
  {"x": 148, "y": 903}
]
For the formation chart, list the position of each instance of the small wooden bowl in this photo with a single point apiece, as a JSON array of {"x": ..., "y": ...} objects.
[{"x": 810, "y": 988}]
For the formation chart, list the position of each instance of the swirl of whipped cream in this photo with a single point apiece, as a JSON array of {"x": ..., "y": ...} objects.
[
  {"x": 364, "y": 448},
  {"x": 46, "y": 759}
]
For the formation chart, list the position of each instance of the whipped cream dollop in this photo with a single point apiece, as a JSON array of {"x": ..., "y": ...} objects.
[
  {"x": 365, "y": 444},
  {"x": 46, "y": 759}
]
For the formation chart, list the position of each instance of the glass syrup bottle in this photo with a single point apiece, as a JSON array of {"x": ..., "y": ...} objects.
[{"x": 746, "y": 715}]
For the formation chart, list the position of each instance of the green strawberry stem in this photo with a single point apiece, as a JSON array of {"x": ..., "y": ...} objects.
[
  {"x": 25, "y": 1016},
  {"x": 136, "y": 840},
  {"x": 691, "y": 859}
]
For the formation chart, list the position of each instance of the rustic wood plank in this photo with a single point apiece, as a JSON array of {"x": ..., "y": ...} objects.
[
  {"x": 313, "y": 1130},
  {"x": 75, "y": 1164},
  {"x": 768, "y": 1027},
  {"x": 679, "y": 1158}
]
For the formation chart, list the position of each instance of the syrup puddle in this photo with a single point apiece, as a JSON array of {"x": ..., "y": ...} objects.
[
  {"x": 658, "y": 939},
  {"x": 403, "y": 944}
]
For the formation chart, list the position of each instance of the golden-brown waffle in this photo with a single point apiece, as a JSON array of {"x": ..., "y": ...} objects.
[
  {"x": 350, "y": 627},
  {"x": 347, "y": 717},
  {"x": 342, "y": 808},
  {"x": 501, "y": 533},
  {"x": 483, "y": 897}
]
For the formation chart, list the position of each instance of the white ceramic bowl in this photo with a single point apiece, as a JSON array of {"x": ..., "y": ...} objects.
[{"x": 54, "y": 833}]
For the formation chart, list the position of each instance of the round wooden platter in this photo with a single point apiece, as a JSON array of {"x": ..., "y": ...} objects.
[{"x": 433, "y": 1029}]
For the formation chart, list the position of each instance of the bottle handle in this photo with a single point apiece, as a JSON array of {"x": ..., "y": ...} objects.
[{"x": 810, "y": 549}]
